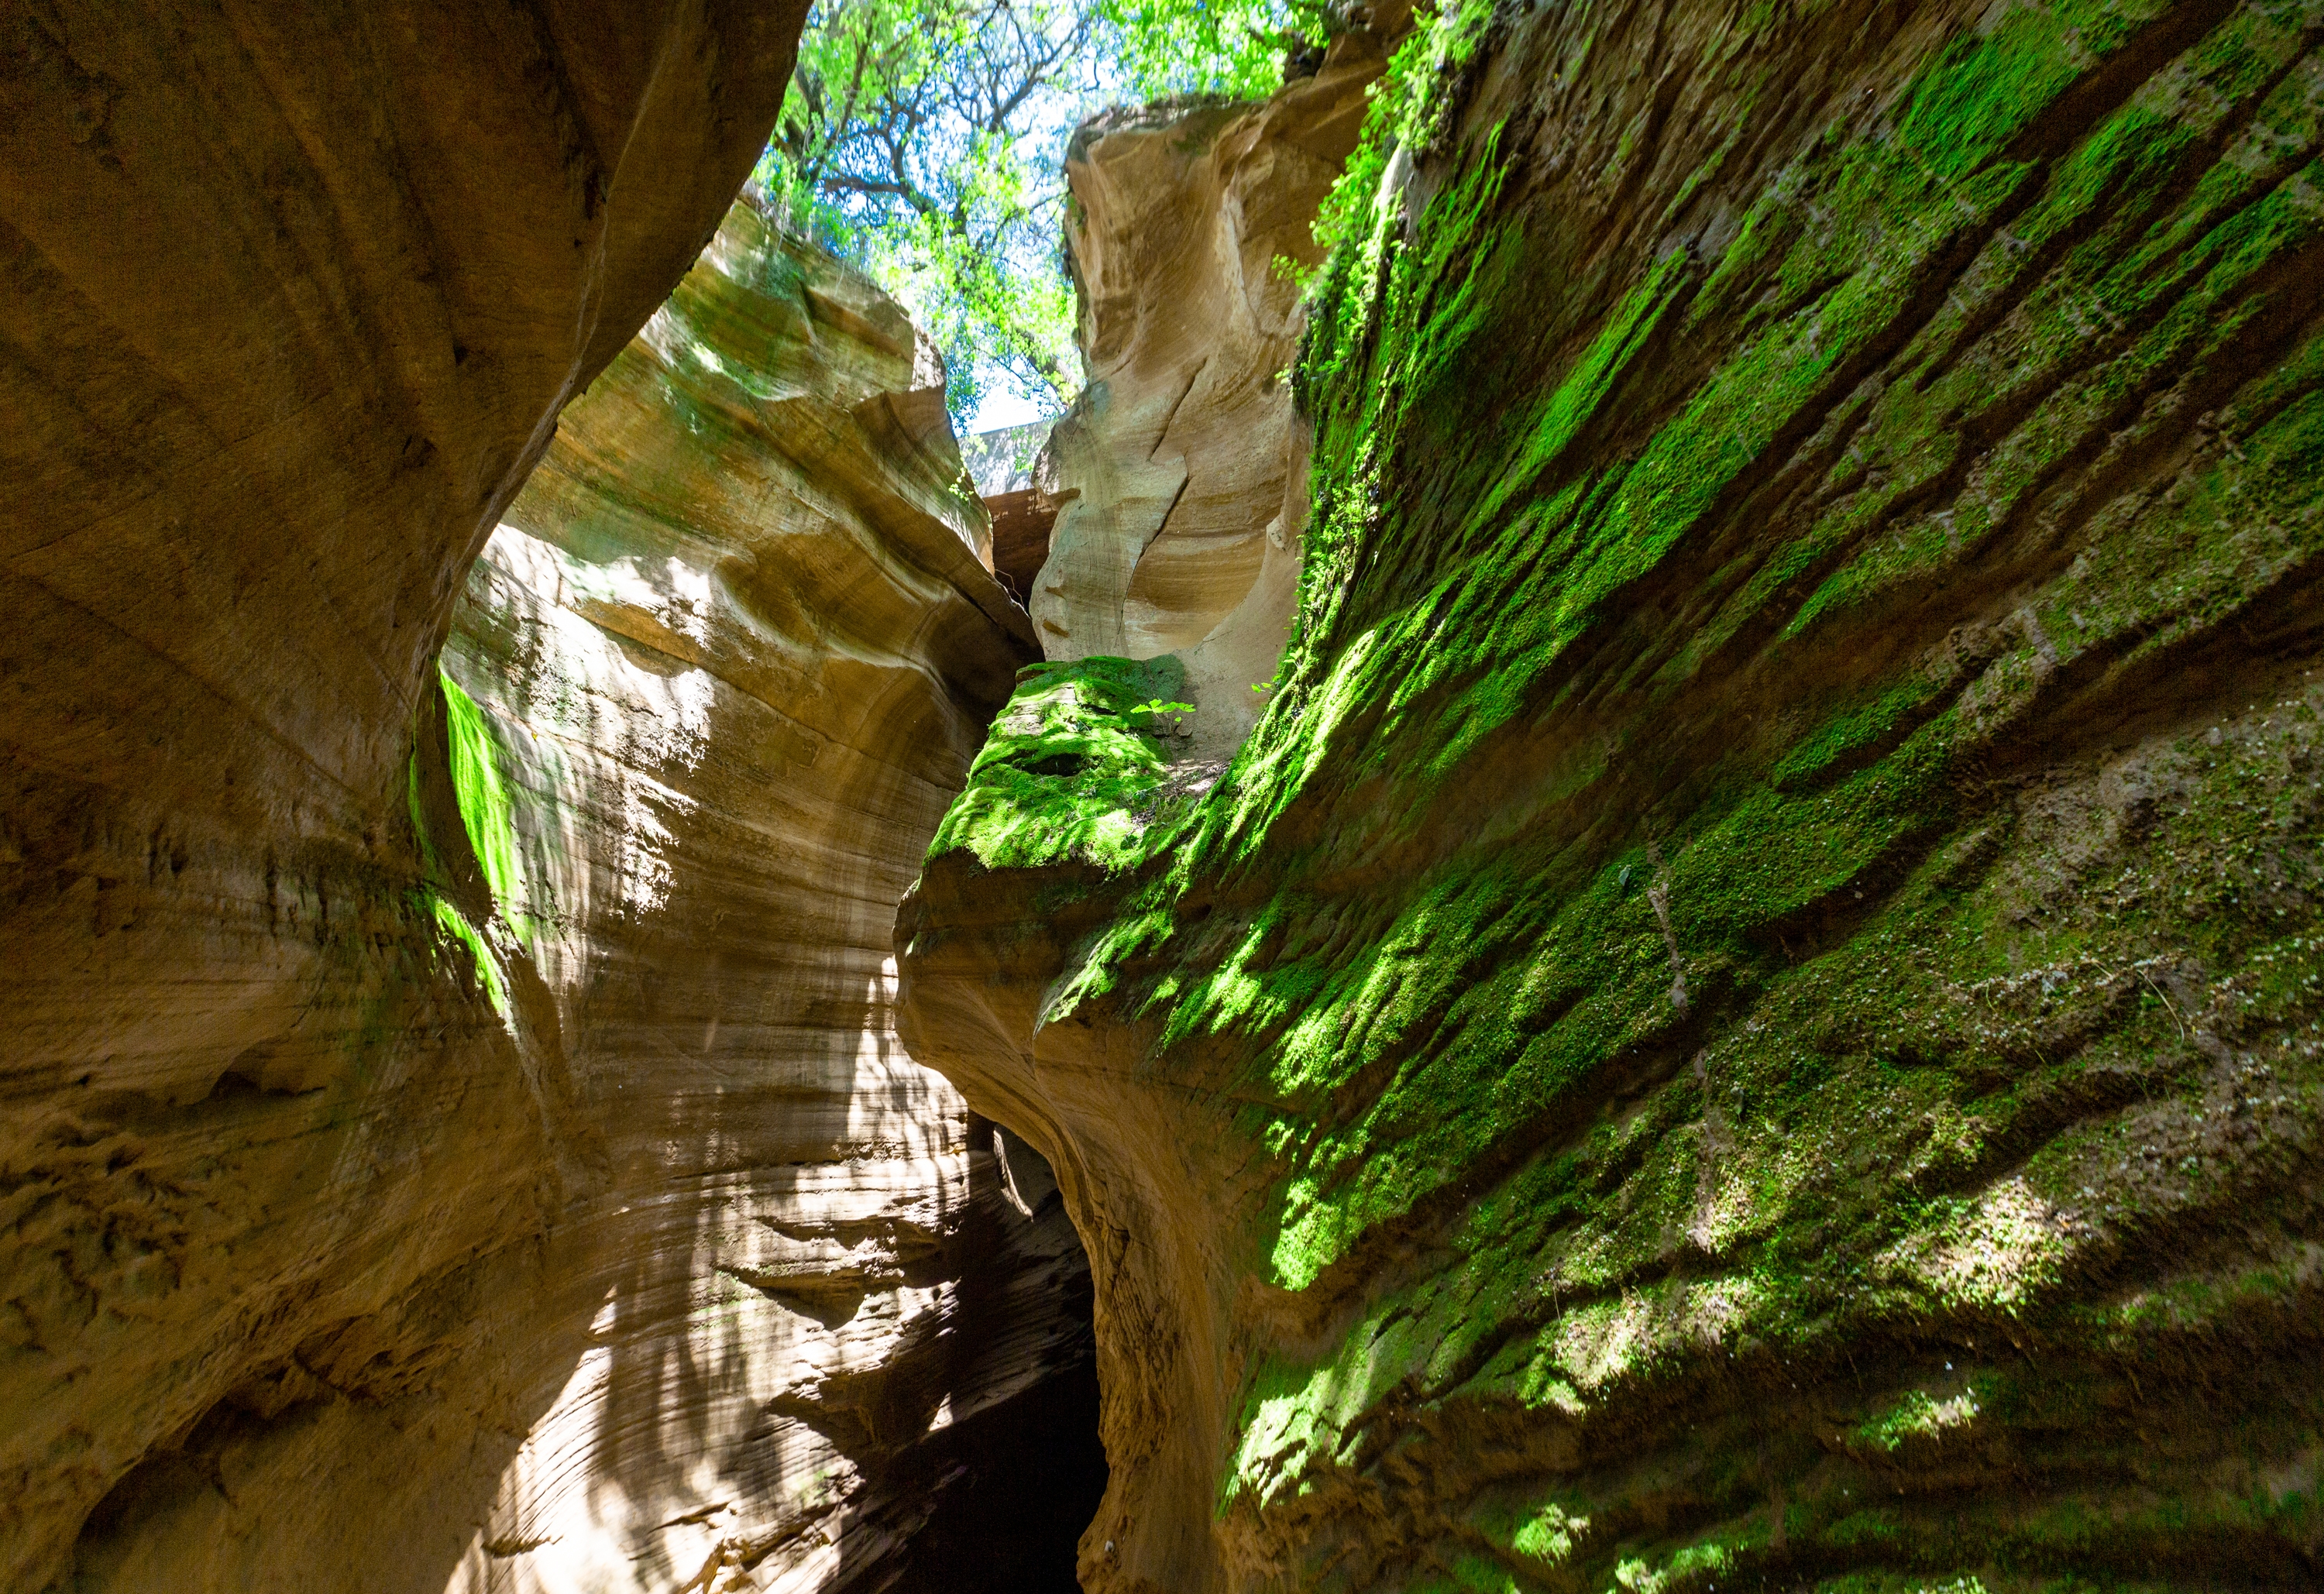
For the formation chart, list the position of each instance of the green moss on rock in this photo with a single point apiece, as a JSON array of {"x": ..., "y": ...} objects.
[
  {"x": 1763, "y": 967},
  {"x": 1066, "y": 765}
]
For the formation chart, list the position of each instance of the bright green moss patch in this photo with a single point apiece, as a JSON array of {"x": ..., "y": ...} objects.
[
  {"x": 1803, "y": 1101},
  {"x": 1852, "y": 730},
  {"x": 1985, "y": 89},
  {"x": 1579, "y": 398},
  {"x": 455, "y": 928},
  {"x": 1918, "y": 1414},
  {"x": 1543, "y": 1534},
  {"x": 1062, "y": 772},
  {"x": 484, "y": 796}
]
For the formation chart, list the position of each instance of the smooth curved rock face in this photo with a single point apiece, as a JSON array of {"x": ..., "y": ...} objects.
[
  {"x": 742, "y": 1296},
  {"x": 1754, "y": 1008},
  {"x": 1167, "y": 475},
  {"x": 294, "y": 297},
  {"x": 729, "y": 657}
]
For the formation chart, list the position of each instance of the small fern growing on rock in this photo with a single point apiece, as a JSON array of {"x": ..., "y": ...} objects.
[{"x": 1169, "y": 718}]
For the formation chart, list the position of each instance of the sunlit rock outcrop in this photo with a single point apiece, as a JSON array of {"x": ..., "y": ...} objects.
[
  {"x": 292, "y": 297},
  {"x": 715, "y": 678},
  {"x": 1752, "y": 1011},
  {"x": 1176, "y": 479}
]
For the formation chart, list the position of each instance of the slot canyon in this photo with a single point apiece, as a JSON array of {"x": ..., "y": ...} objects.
[{"x": 1609, "y": 875}]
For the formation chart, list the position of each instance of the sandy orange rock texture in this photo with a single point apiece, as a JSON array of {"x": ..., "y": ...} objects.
[
  {"x": 294, "y": 297},
  {"x": 452, "y": 1132}
]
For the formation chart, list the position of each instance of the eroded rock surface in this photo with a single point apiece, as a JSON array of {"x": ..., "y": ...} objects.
[
  {"x": 1173, "y": 531},
  {"x": 292, "y": 297},
  {"x": 717, "y": 677},
  {"x": 1753, "y": 1010},
  {"x": 454, "y": 1135}
]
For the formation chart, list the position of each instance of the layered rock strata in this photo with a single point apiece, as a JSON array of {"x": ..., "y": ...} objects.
[
  {"x": 1173, "y": 531},
  {"x": 293, "y": 295},
  {"x": 715, "y": 678},
  {"x": 1752, "y": 1009}
]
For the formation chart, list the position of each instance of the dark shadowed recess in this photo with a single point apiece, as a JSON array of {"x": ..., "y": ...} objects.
[
  {"x": 1004, "y": 1495},
  {"x": 1022, "y": 524},
  {"x": 1034, "y": 1472}
]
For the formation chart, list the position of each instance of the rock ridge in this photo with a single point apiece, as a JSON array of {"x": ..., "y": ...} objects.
[{"x": 725, "y": 662}]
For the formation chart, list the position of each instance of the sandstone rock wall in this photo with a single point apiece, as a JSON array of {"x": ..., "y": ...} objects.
[
  {"x": 1173, "y": 532},
  {"x": 454, "y": 1135},
  {"x": 1751, "y": 1011},
  {"x": 292, "y": 297},
  {"x": 750, "y": 1301},
  {"x": 725, "y": 662}
]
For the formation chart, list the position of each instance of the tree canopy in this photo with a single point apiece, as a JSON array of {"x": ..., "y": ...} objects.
[{"x": 925, "y": 139}]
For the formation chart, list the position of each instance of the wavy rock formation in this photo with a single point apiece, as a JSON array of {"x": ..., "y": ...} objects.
[
  {"x": 1752, "y": 1009},
  {"x": 717, "y": 677},
  {"x": 292, "y": 297},
  {"x": 486, "y": 1164},
  {"x": 1175, "y": 477}
]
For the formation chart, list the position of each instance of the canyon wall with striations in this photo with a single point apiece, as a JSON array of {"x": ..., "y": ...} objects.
[
  {"x": 714, "y": 680},
  {"x": 1176, "y": 476},
  {"x": 1752, "y": 1009},
  {"x": 294, "y": 296},
  {"x": 452, "y": 1134}
]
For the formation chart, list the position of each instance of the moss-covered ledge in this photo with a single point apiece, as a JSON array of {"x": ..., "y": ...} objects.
[{"x": 1072, "y": 771}]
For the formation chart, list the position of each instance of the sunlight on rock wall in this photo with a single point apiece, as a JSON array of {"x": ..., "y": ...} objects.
[
  {"x": 1751, "y": 1013},
  {"x": 732, "y": 647}
]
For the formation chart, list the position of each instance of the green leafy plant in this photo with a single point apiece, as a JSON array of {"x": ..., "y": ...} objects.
[{"x": 1173, "y": 715}]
